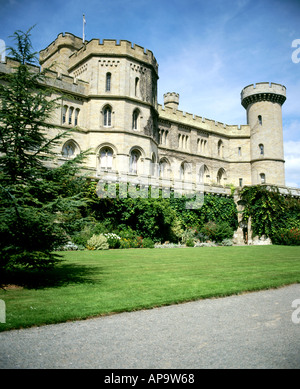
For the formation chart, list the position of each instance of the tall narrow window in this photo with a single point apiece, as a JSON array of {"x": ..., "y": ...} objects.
[
  {"x": 221, "y": 176},
  {"x": 239, "y": 151},
  {"x": 106, "y": 158},
  {"x": 76, "y": 117},
  {"x": 220, "y": 149},
  {"x": 260, "y": 119},
  {"x": 136, "y": 86},
  {"x": 107, "y": 117},
  {"x": 153, "y": 165},
  {"x": 134, "y": 160},
  {"x": 240, "y": 182},
  {"x": 71, "y": 115},
  {"x": 262, "y": 149},
  {"x": 203, "y": 175},
  {"x": 108, "y": 82},
  {"x": 64, "y": 114},
  {"x": 164, "y": 169},
  {"x": 135, "y": 118}
]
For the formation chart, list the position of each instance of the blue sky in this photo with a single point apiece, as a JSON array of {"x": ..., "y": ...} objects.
[{"x": 207, "y": 51}]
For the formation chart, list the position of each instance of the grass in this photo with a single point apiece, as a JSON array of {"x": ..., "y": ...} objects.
[{"x": 91, "y": 283}]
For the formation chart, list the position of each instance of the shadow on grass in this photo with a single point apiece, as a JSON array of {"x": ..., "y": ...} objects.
[{"x": 61, "y": 275}]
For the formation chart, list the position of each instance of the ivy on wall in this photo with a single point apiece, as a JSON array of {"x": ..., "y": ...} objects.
[
  {"x": 160, "y": 218},
  {"x": 270, "y": 211}
]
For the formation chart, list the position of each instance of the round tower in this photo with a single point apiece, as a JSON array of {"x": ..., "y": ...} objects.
[
  {"x": 171, "y": 100},
  {"x": 263, "y": 103}
]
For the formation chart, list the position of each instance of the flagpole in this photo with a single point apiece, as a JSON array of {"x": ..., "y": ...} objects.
[{"x": 83, "y": 22}]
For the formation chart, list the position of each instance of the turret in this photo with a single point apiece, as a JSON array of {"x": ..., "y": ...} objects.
[
  {"x": 57, "y": 54},
  {"x": 263, "y": 102},
  {"x": 171, "y": 100}
]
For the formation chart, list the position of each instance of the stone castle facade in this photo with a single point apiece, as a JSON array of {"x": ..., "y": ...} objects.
[{"x": 109, "y": 95}]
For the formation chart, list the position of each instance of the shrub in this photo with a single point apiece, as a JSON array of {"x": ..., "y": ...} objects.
[
  {"x": 226, "y": 242},
  {"x": 188, "y": 235},
  {"x": 69, "y": 246},
  {"x": 125, "y": 243},
  {"x": 204, "y": 244},
  {"x": 113, "y": 240},
  {"x": 167, "y": 245},
  {"x": 217, "y": 232},
  {"x": 190, "y": 243},
  {"x": 97, "y": 242},
  {"x": 148, "y": 243},
  {"x": 131, "y": 243},
  {"x": 126, "y": 232},
  {"x": 288, "y": 237},
  {"x": 81, "y": 238}
]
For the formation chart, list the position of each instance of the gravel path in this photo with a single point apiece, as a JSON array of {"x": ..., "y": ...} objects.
[{"x": 253, "y": 330}]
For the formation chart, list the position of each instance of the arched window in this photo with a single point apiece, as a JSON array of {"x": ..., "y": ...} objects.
[
  {"x": 153, "y": 169},
  {"x": 262, "y": 178},
  {"x": 184, "y": 171},
  {"x": 221, "y": 176},
  {"x": 76, "y": 116},
  {"x": 164, "y": 168},
  {"x": 136, "y": 86},
  {"x": 69, "y": 149},
  {"x": 220, "y": 149},
  {"x": 203, "y": 174},
  {"x": 179, "y": 141},
  {"x": 64, "y": 114},
  {"x": 135, "y": 119},
  {"x": 106, "y": 158},
  {"x": 107, "y": 116},
  {"x": 108, "y": 82},
  {"x": 262, "y": 149},
  {"x": 134, "y": 161},
  {"x": 71, "y": 115},
  {"x": 260, "y": 119}
]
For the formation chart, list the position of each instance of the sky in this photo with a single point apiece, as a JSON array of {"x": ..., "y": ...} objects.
[{"x": 207, "y": 50}]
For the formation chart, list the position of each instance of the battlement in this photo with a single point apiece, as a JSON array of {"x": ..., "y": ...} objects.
[
  {"x": 53, "y": 79},
  {"x": 199, "y": 122},
  {"x": 9, "y": 65},
  {"x": 263, "y": 91},
  {"x": 110, "y": 47},
  {"x": 67, "y": 83},
  {"x": 171, "y": 99},
  {"x": 63, "y": 40}
]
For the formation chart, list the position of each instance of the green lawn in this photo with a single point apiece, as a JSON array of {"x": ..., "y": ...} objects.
[{"x": 91, "y": 283}]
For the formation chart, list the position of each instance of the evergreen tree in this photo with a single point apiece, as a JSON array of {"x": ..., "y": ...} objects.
[{"x": 36, "y": 194}]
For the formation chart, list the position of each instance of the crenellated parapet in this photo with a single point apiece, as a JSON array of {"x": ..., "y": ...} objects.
[
  {"x": 56, "y": 80},
  {"x": 109, "y": 48},
  {"x": 66, "y": 40},
  {"x": 171, "y": 100},
  {"x": 66, "y": 83},
  {"x": 263, "y": 91},
  {"x": 79, "y": 51},
  {"x": 199, "y": 122}
]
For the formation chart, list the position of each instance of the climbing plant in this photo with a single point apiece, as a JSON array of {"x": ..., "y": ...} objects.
[{"x": 269, "y": 210}]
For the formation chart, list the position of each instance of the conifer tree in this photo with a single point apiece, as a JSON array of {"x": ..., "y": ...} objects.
[{"x": 35, "y": 192}]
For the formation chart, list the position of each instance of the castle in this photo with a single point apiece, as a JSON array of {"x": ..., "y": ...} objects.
[{"x": 108, "y": 95}]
